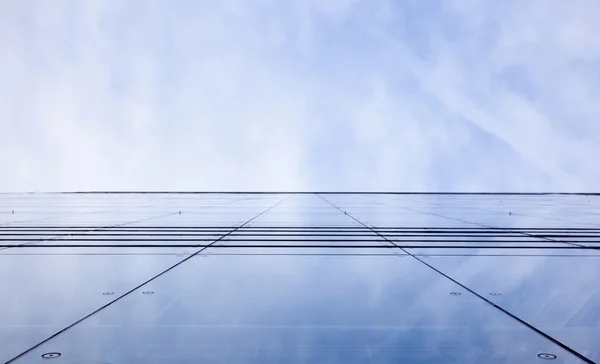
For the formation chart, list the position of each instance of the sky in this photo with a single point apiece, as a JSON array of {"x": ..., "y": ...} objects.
[{"x": 337, "y": 95}]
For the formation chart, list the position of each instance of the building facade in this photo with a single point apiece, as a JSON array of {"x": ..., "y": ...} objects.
[{"x": 299, "y": 278}]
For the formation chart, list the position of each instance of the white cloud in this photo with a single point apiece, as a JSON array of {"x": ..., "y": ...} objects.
[{"x": 354, "y": 95}]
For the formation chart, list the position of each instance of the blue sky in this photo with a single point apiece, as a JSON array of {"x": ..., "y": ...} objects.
[{"x": 300, "y": 95}]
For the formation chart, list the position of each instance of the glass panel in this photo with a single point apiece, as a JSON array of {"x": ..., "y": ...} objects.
[
  {"x": 273, "y": 309},
  {"x": 61, "y": 209},
  {"x": 388, "y": 213},
  {"x": 493, "y": 251},
  {"x": 43, "y": 291},
  {"x": 303, "y": 210},
  {"x": 503, "y": 211},
  {"x": 559, "y": 295}
]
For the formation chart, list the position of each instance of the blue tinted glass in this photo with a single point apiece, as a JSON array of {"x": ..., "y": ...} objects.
[
  {"x": 559, "y": 295},
  {"x": 300, "y": 309},
  {"x": 238, "y": 278},
  {"x": 43, "y": 291}
]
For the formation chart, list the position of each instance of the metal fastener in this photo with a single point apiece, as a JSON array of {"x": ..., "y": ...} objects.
[{"x": 51, "y": 355}]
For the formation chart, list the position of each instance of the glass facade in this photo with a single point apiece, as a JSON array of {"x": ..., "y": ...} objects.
[{"x": 299, "y": 278}]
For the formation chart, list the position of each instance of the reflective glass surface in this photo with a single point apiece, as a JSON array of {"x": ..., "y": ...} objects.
[{"x": 272, "y": 278}]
